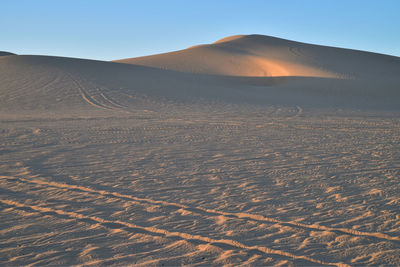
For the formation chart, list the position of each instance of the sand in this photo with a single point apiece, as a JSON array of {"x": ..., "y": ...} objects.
[
  {"x": 3, "y": 53},
  {"x": 252, "y": 150}
]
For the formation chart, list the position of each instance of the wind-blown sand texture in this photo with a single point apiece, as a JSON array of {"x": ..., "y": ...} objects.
[{"x": 252, "y": 150}]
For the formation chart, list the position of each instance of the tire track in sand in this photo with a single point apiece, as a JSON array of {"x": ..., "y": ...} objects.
[
  {"x": 87, "y": 97},
  {"x": 151, "y": 231},
  {"x": 90, "y": 99},
  {"x": 108, "y": 103},
  {"x": 205, "y": 211}
]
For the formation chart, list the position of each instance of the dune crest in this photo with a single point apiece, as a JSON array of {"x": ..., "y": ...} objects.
[
  {"x": 4, "y": 53},
  {"x": 238, "y": 56},
  {"x": 229, "y": 38},
  {"x": 265, "y": 56}
]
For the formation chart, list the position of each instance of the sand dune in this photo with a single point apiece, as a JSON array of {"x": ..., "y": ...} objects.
[
  {"x": 243, "y": 69},
  {"x": 257, "y": 55},
  {"x": 3, "y": 53},
  {"x": 252, "y": 151},
  {"x": 236, "y": 57}
]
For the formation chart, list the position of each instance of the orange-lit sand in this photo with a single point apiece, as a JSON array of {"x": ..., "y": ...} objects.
[
  {"x": 239, "y": 56},
  {"x": 253, "y": 150}
]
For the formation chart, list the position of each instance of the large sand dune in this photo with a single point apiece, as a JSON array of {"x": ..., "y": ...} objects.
[
  {"x": 258, "y": 55},
  {"x": 248, "y": 69},
  {"x": 253, "y": 150}
]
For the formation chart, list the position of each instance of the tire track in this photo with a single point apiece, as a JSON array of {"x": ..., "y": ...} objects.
[
  {"x": 151, "y": 231},
  {"x": 111, "y": 101},
  {"x": 248, "y": 216},
  {"x": 295, "y": 51},
  {"x": 299, "y": 111},
  {"x": 105, "y": 102},
  {"x": 87, "y": 97},
  {"x": 42, "y": 82}
]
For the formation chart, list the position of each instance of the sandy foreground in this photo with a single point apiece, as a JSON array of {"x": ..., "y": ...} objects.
[{"x": 253, "y": 150}]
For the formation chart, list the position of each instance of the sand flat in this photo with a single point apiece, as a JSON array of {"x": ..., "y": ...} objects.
[{"x": 116, "y": 164}]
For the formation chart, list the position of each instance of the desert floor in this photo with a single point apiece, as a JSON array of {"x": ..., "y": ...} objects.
[{"x": 216, "y": 184}]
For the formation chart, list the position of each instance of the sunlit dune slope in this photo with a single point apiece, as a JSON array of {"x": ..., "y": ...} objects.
[{"x": 258, "y": 55}]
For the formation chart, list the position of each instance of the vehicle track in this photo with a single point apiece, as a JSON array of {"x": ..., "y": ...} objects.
[
  {"x": 205, "y": 211},
  {"x": 87, "y": 96},
  {"x": 131, "y": 227}
]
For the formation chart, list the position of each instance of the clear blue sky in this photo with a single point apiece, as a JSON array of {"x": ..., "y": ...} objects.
[{"x": 117, "y": 29}]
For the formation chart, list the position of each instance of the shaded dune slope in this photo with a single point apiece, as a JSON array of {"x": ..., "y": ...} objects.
[
  {"x": 68, "y": 85},
  {"x": 4, "y": 53}
]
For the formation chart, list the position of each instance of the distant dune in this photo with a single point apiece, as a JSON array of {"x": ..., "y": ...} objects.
[
  {"x": 237, "y": 56},
  {"x": 3, "y": 53},
  {"x": 241, "y": 69},
  {"x": 258, "y": 55}
]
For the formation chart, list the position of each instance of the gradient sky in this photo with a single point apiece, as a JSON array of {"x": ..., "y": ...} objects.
[{"x": 115, "y": 29}]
